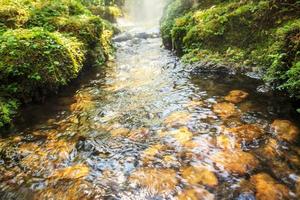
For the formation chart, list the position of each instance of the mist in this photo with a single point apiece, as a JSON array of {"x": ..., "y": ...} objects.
[{"x": 147, "y": 12}]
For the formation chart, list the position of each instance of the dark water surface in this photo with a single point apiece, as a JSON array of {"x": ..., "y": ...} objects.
[{"x": 145, "y": 128}]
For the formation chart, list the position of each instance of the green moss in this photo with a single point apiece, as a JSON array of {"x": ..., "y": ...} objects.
[
  {"x": 45, "y": 43},
  {"x": 13, "y": 14},
  {"x": 261, "y": 33},
  {"x": 86, "y": 28},
  {"x": 37, "y": 61}
]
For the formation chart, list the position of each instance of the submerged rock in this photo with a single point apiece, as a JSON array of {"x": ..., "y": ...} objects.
[
  {"x": 156, "y": 180},
  {"x": 247, "y": 133},
  {"x": 177, "y": 119},
  {"x": 120, "y": 132},
  {"x": 285, "y": 130},
  {"x": 181, "y": 135},
  {"x": 268, "y": 189},
  {"x": 236, "y": 162},
  {"x": 195, "y": 194},
  {"x": 271, "y": 149},
  {"x": 72, "y": 172},
  {"x": 225, "y": 110},
  {"x": 236, "y": 96},
  {"x": 199, "y": 175}
]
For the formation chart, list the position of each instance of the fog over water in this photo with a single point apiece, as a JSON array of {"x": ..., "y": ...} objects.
[{"x": 146, "y": 12}]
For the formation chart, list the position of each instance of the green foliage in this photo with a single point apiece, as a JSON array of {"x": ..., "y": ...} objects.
[
  {"x": 86, "y": 28},
  {"x": 261, "y": 32},
  {"x": 8, "y": 108},
  {"x": 34, "y": 61},
  {"x": 13, "y": 14},
  {"x": 45, "y": 43}
]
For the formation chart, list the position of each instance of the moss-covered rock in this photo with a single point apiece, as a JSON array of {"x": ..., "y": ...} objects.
[
  {"x": 44, "y": 44},
  {"x": 34, "y": 62},
  {"x": 255, "y": 33}
]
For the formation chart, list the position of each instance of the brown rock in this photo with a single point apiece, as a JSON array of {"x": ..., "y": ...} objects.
[
  {"x": 247, "y": 133},
  {"x": 177, "y": 119},
  {"x": 157, "y": 180},
  {"x": 285, "y": 130},
  {"x": 199, "y": 175},
  {"x": 237, "y": 161},
  {"x": 195, "y": 194},
  {"x": 236, "y": 96},
  {"x": 225, "y": 110},
  {"x": 181, "y": 135},
  {"x": 268, "y": 189}
]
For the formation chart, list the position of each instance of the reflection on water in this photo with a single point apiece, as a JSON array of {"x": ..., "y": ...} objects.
[{"x": 145, "y": 128}]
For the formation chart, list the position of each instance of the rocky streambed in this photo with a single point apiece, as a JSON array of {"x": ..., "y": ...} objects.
[{"x": 145, "y": 127}]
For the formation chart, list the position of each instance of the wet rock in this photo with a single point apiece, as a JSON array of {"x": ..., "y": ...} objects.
[
  {"x": 247, "y": 133},
  {"x": 170, "y": 160},
  {"x": 285, "y": 130},
  {"x": 72, "y": 172},
  {"x": 120, "y": 132},
  {"x": 122, "y": 37},
  {"x": 225, "y": 110},
  {"x": 156, "y": 180},
  {"x": 181, "y": 135},
  {"x": 271, "y": 149},
  {"x": 177, "y": 119},
  {"x": 70, "y": 190},
  {"x": 211, "y": 68},
  {"x": 199, "y": 175},
  {"x": 149, "y": 154},
  {"x": 226, "y": 142},
  {"x": 236, "y": 96},
  {"x": 195, "y": 194},
  {"x": 236, "y": 162},
  {"x": 281, "y": 170},
  {"x": 268, "y": 189}
]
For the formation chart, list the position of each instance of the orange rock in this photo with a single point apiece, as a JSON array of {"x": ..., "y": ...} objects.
[
  {"x": 119, "y": 132},
  {"x": 177, "y": 119},
  {"x": 170, "y": 160},
  {"x": 237, "y": 161},
  {"x": 268, "y": 189},
  {"x": 71, "y": 190},
  {"x": 195, "y": 194},
  {"x": 199, "y": 175},
  {"x": 226, "y": 142},
  {"x": 156, "y": 180},
  {"x": 236, "y": 96},
  {"x": 247, "y": 133},
  {"x": 72, "y": 172},
  {"x": 285, "y": 130},
  {"x": 225, "y": 110},
  {"x": 149, "y": 154},
  {"x": 271, "y": 149},
  {"x": 181, "y": 135}
]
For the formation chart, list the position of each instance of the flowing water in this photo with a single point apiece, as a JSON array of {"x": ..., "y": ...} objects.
[{"x": 145, "y": 127}]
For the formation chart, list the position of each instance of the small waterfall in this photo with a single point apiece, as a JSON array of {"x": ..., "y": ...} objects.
[{"x": 145, "y": 12}]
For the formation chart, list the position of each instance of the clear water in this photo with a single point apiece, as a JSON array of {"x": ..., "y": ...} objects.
[{"x": 145, "y": 127}]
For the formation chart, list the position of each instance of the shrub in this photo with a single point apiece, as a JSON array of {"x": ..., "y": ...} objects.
[
  {"x": 37, "y": 61},
  {"x": 8, "y": 109},
  {"x": 13, "y": 14}
]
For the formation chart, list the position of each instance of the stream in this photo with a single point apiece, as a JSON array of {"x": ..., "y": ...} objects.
[{"x": 146, "y": 127}]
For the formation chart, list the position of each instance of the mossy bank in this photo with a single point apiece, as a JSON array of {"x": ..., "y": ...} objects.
[
  {"x": 260, "y": 33},
  {"x": 44, "y": 44}
]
